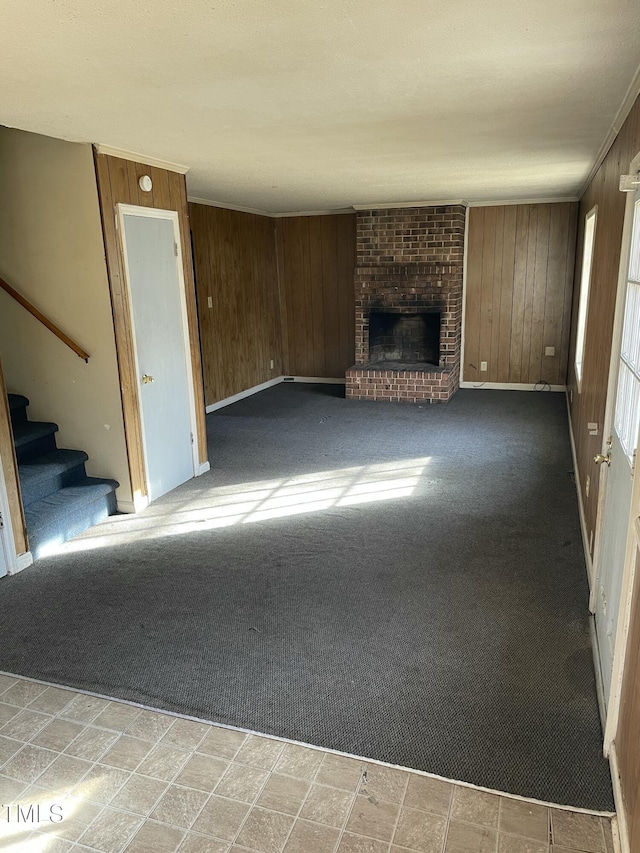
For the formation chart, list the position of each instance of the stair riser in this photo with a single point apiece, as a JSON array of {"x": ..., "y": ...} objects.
[
  {"x": 18, "y": 416},
  {"x": 65, "y": 528},
  {"x": 35, "y": 448},
  {"x": 33, "y": 492}
]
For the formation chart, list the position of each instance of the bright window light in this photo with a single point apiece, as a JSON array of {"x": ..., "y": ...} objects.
[
  {"x": 585, "y": 283},
  {"x": 181, "y": 513}
]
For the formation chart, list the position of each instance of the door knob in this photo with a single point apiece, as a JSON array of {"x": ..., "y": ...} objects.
[
  {"x": 599, "y": 459},
  {"x": 146, "y": 379}
]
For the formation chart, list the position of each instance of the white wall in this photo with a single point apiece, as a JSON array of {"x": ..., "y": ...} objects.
[{"x": 52, "y": 252}]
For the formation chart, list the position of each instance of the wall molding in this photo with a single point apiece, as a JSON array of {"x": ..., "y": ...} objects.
[
  {"x": 315, "y": 380},
  {"x": 138, "y": 503},
  {"x": 140, "y": 158},
  {"x": 255, "y": 389},
  {"x": 257, "y": 211},
  {"x": 621, "y": 836},
  {"x": 621, "y": 116},
  {"x": 396, "y": 205},
  {"x": 22, "y": 561},
  {"x": 249, "y": 392},
  {"x": 192, "y": 199},
  {"x": 583, "y": 520},
  {"x": 512, "y": 386},
  {"x": 511, "y": 201}
]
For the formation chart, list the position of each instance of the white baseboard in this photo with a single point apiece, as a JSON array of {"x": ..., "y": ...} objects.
[
  {"x": 138, "y": 503},
  {"x": 22, "y": 561},
  {"x": 620, "y": 826},
  {"x": 212, "y": 407},
  {"x": 314, "y": 380},
  {"x": 583, "y": 522},
  {"x": 513, "y": 386},
  {"x": 602, "y": 705},
  {"x": 202, "y": 469}
]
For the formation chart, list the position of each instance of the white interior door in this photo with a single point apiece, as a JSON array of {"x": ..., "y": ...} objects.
[
  {"x": 156, "y": 291},
  {"x": 621, "y": 452}
]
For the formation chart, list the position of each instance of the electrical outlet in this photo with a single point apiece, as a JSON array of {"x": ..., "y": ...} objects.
[
  {"x": 549, "y": 350},
  {"x": 271, "y": 364},
  {"x": 210, "y": 301},
  {"x": 483, "y": 366},
  {"x": 587, "y": 485}
]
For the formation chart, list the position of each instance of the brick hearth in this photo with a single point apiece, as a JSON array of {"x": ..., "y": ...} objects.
[{"x": 409, "y": 261}]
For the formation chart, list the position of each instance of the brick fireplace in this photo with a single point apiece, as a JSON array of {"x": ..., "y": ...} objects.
[{"x": 408, "y": 290}]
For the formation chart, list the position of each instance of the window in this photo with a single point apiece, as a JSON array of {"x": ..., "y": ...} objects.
[
  {"x": 627, "y": 415},
  {"x": 585, "y": 282}
]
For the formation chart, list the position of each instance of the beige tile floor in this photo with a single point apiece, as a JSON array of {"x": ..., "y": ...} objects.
[{"x": 82, "y": 773}]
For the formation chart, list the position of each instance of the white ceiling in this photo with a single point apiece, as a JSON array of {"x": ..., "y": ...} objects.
[{"x": 301, "y": 105}]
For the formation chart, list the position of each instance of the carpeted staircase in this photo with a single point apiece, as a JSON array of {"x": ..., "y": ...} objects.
[{"x": 59, "y": 499}]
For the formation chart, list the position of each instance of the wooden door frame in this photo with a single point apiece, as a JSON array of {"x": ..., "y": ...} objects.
[
  {"x": 132, "y": 407},
  {"x": 628, "y": 575}
]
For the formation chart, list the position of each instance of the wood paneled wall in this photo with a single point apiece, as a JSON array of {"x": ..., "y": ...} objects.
[
  {"x": 118, "y": 183},
  {"x": 589, "y": 405},
  {"x": 518, "y": 292},
  {"x": 316, "y": 257},
  {"x": 235, "y": 263},
  {"x": 10, "y": 471}
]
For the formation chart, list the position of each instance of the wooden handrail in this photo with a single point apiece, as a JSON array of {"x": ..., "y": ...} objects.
[{"x": 44, "y": 320}]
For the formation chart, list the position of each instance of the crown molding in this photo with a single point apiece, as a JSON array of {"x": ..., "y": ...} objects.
[
  {"x": 621, "y": 116},
  {"x": 337, "y": 212},
  {"x": 225, "y": 205},
  {"x": 507, "y": 201},
  {"x": 140, "y": 158},
  {"x": 384, "y": 205},
  {"x": 271, "y": 214}
]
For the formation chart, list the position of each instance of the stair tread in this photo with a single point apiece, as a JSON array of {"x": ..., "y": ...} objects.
[
  {"x": 31, "y": 430},
  {"x": 51, "y": 464},
  {"x": 86, "y": 491},
  {"x": 61, "y": 515},
  {"x": 17, "y": 401}
]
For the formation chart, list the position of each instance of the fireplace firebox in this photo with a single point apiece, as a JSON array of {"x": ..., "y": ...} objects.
[{"x": 405, "y": 338}]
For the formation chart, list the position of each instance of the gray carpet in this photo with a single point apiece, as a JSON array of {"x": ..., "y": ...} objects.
[{"x": 427, "y": 606}]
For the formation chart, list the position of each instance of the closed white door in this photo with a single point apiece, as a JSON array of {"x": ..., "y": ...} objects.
[
  {"x": 621, "y": 453},
  {"x": 150, "y": 242}
]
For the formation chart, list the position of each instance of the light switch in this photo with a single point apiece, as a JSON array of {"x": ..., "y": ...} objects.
[
  {"x": 210, "y": 301},
  {"x": 549, "y": 350}
]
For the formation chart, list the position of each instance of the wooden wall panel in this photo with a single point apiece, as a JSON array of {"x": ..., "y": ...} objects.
[
  {"x": 316, "y": 258},
  {"x": 118, "y": 183},
  {"x": 518, "y": 292},
  {"x": 235, "y": 263},
  {"x": 589, "y": 405},
  {"x": 10, "y": 470}
]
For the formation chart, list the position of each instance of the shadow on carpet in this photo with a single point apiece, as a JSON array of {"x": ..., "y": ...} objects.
[{"x": 405, "y": 583}]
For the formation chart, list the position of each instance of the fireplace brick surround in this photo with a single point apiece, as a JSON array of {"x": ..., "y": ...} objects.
[{"x": 409, "y": 261}]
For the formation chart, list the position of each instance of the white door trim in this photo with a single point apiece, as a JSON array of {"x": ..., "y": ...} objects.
[
  {"x": 633, "y": 534},
  {"x": 7, "y": 542},
  {"x": 171, "y": 215},
  {"x": 463, "y": 319},
  {"x": 607, "y": 426}
]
